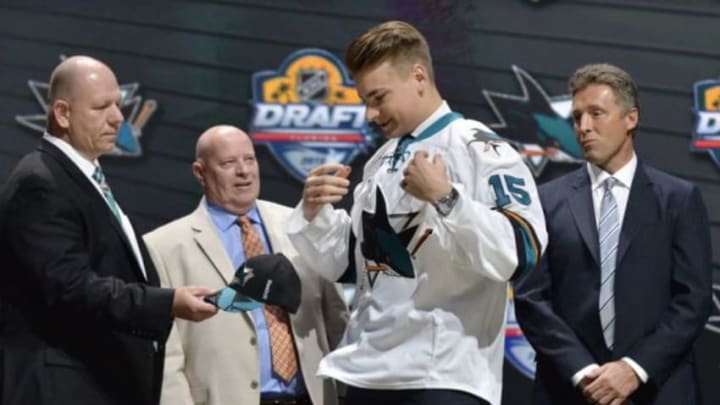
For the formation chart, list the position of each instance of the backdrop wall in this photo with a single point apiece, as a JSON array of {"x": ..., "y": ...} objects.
[{"x": 196, "y": 59}]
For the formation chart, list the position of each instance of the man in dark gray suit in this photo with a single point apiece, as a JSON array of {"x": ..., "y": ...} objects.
[{"x": 624, "y": 288}]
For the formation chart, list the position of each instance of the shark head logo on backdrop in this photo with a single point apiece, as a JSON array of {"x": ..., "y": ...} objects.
[
  {"x": 536, "y": 124},
  {"x": 135, "y": 110},
  {"x": 706, "y": 135},
  {"x": 308, "y": 112}
]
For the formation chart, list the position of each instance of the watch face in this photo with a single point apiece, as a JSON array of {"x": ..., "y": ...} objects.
[
  {"x": 443, "y": 208},
  {"x": 446, "y": 204}
]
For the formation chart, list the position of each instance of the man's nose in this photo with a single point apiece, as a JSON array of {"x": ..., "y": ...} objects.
[
  {"x": 241, "y": 168},
  {"x": 371, "y": 114},
  {"x": 116, "y": 116},
  {"x": 585, "y": 123}
]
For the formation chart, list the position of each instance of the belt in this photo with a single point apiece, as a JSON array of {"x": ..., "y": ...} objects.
[{"x": 286, "y": 401}]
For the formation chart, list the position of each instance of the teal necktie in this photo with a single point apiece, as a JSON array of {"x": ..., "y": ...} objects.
[{"x": 99, "y": 178}]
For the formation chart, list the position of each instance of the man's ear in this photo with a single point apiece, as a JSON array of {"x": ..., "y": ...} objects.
[
  {"x": 197, "y": 169},
  {"x": 419, "y": 73},
  {"x": 631, "y": 119},
  {"x": 61, "y": 113},
  {"x": 420, "y": 77}
]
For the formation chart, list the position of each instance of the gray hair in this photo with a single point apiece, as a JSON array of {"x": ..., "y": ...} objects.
[{"x": 620, "y": 81}]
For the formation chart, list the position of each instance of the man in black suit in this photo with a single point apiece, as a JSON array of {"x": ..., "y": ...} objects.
[
  {"x": 624, "y": 288},
  {"x": 83, "y": 320}
]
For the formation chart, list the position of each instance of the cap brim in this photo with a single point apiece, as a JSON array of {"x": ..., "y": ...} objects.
[{"x": 230, "y": 300}]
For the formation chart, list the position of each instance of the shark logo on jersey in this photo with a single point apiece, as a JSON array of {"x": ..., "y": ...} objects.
[
  {"x": 706, "y": 135},
  {"x": 136, "y": 112},
  {"x": 308, "y": 112},
  {"x": 537, "y": 125},
  {"x": 385, "y": 250}
]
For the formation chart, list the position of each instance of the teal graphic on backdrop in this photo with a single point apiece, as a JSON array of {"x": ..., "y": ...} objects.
[
  {"x": 537, "y": 125},
  {"x": 136, "y": 112}
]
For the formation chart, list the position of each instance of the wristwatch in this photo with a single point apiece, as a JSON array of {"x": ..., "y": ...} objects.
[{"x": 445, "y": 204}]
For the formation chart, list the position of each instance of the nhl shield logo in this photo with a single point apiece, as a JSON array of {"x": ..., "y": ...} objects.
[
  {"x": 312, "y": 85},
  {"x": 706, "y": 135},
  {"x": 308, "y": 112}
]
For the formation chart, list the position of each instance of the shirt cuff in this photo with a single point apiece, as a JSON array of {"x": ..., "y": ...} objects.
[
  {"x": 582, "y": 373},
  {"x": 641, "y": 373},
  {"x": 297, "y": 222}
]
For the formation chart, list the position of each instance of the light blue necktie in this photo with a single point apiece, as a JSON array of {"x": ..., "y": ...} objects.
[
  {"x": 609, "y": 234},
  {"x": 99, "y": 178}
]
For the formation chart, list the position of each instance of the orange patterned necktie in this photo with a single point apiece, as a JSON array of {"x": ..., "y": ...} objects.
[{"x": 284, "y": 360}]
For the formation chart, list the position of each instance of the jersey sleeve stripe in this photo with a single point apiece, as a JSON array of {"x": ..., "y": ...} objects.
[{"x": 526, "y": 243}]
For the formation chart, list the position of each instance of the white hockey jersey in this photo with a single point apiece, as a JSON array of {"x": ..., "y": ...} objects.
[{"x": 431, "y": 292}]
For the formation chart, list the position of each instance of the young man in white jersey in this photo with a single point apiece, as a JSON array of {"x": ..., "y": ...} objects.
[{"x": 445, "y": 215}]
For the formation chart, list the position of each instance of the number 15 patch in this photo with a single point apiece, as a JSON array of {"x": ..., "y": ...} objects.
[{"x": 507, "y": 184}]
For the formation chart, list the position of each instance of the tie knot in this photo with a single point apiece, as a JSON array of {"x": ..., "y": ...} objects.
[
  {"x": 98, "y": 175},
  {"x": 610, "y": 182},
  {"x": 252, "y": 244},
  {"x": 245, "y": 222}
]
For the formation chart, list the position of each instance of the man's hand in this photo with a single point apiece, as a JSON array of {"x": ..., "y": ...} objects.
[
  {"x": 325, "y": 184},
  {"x": 612, "y": 383},
  {"x": 424, "y": 179},
  {"x": 585, "y": 382},
  {"x": 188, "y": 303}
]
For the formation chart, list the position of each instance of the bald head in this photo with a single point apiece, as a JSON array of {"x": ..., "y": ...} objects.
[
  {"x": 215, "y": 137},
  {"x": 226, "y": 167},
  {"x": 71, "y": 73},
  {"x": 85, "y": 106}
]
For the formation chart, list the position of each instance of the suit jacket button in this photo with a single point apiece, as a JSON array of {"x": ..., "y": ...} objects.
[
  {"x": 253, "y": 341},
  {"x": 254, "y": 384}
]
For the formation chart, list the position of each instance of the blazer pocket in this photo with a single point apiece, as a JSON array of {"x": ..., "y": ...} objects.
[{"x": 199, "y": 395}]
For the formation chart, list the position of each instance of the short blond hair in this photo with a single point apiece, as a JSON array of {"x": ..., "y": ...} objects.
[{"x": 394, "y": 41}]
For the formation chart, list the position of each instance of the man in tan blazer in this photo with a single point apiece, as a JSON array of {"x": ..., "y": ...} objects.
[{"x": 227, "y": 360}]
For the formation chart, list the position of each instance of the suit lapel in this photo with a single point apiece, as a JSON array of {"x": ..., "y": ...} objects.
[
  {"x": 641, "y": 210},
  {"x": 273, "y": 230},
  {"x": 152, "y": 276},
  {"x": 210, "y": 244},
  {"x": 89, "y": 190},
  {"x": 581, "y": 206}
]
